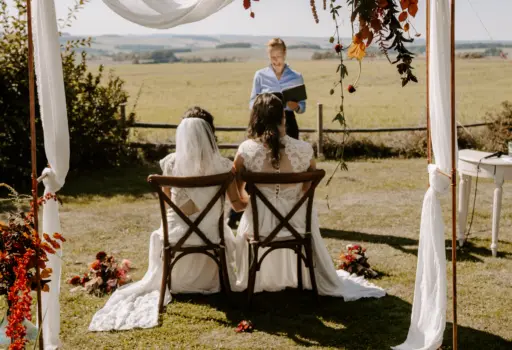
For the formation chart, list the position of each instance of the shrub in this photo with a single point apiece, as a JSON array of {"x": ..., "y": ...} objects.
[
  {"x": 98, "y": 136},
  {"x": 499, "y": 131}
]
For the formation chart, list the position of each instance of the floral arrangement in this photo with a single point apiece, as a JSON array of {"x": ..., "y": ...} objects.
[
  {"x": 22, "y": 251},
  {"x": 105, "y": 275},
  {"x": 244, "y": 327},
  {"x": 355, "y": 261}
]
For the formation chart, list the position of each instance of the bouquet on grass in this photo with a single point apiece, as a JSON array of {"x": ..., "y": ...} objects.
[
  {"x": 105, "y": 275},
  {"x": 355, "y": 261}
]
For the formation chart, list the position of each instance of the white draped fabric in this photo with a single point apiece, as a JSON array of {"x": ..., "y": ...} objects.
[
  {"x": 428, "y": 317},
  {"x": 163, "y": 14},
  {"x": 52, "y": 102}
]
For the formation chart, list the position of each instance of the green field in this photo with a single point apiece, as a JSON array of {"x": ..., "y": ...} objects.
[{"x": 380, "y": 101}]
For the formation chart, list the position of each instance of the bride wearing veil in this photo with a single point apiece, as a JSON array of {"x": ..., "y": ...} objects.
[{"x": 136, "y": 305}]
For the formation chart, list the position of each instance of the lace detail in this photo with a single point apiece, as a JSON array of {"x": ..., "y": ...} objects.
[
  {"x": 254, "y": 155},
  {"x": 299, "y": 153},
  {"x": 167, "y": 164}
]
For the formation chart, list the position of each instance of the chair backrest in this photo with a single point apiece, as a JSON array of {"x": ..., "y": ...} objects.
[
  {"x": 222, "y": 180},
  {"x": 253, "y": 179}
]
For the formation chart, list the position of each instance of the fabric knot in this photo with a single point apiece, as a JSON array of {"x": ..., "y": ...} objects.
[
  {"x": 50, "y": 181},
  {"x": 439, "y": 182}
]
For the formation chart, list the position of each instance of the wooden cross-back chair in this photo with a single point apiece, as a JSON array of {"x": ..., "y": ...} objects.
[
  {"x": 173, "y": 252},
  {"x": 300, "y": 242}
]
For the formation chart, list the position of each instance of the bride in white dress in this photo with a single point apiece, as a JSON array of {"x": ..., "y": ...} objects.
[
  {"x": 270, "y": 150},
  {"x": 136, "y": 305}
]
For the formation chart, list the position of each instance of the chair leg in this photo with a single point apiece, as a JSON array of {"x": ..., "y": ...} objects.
[
  {"x": 309, "y": 256},
  {"x": 163, "y": 285},
  {"x": 299, "y": 267},
  {"x": 253, "y": 269},
  {"x": 224, "y": 275}
]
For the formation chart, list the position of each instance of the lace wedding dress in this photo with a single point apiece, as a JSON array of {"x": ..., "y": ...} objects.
[
  {"x": 279, "y": 268},
  {"x": 136, "y": 305}
]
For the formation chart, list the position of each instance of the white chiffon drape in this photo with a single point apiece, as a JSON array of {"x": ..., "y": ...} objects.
[
  {"x": 428, "y": 318},
  {"x": 52, "y": 102},
  {"x": 163, "y": 14},
  {"x": 279, "y": 269}
]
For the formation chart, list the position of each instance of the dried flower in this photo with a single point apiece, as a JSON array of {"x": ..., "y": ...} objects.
[
  {"x": 101, "y": 255},
  {"x": 244, "y": 327}
]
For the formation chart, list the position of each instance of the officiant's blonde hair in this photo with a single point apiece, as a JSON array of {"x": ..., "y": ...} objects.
[{"x": 276, "y": 43}]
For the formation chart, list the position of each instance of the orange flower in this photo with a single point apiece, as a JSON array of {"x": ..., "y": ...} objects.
[
  {"x": 357, "y": 50},
  {"x": 59, "y": 237},
  {"x": 96, "y": 265}
]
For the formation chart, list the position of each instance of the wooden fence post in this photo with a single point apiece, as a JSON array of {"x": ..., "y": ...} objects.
[
  {"x": 122, "y": 111},
  {"x": 320, "y": 130}
]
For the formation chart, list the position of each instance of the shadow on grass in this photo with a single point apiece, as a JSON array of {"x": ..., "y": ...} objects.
[
  {"x": 112, "y": 182},
  {"x": 472, "y": 251},
  {"x": 363, "y": 324},
  {"x": 404, "y": 244}
]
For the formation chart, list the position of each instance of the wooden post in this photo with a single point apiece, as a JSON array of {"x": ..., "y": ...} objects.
[
  {"x": 35, "y": 208},
  {"x": 454, "y": 174},
  {"x": 122, "y": 111},
  {"x": 320, "y": 130}
]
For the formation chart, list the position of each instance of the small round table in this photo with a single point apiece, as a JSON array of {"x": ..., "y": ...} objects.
[{"x": 499, "y": 169}]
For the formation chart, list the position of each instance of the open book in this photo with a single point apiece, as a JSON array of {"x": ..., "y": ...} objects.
[{"x": 295, "y": 94}]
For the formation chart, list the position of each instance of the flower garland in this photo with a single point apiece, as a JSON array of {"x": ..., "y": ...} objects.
[
  {"x": 20, "y": 244},
  {"x": 19, "y": 300}
]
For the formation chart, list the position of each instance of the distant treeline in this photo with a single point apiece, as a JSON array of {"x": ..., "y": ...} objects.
[
  {"x": 164, "y": 56},
  {"x": 143, "y": 47},
  {"x": 304, "y": 46},
  {"x": 234, "y": 46}
]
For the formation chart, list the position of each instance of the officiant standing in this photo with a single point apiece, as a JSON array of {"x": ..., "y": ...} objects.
[{"x": 278, "y": 76}]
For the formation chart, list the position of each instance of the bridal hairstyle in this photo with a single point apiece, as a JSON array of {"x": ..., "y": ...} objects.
[
  {"x": 266, "y": 116},
  {"x": 197, "y": 153},
  {"x": 198, "y": 112}
]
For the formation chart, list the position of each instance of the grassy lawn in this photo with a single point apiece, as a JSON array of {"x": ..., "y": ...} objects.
[{"x": 376, "y": 203}]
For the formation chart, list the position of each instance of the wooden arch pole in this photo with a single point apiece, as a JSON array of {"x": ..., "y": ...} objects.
[
  {"x": 429, "y": 137},
  {"x": 454, "y": 171},
  {"x": 453, "y": 132},
  {"x": 32, "y": 97}
]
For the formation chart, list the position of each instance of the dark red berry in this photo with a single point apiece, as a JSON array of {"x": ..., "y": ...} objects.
[
  {"x": 252, "y": 14},
  {"x": 338, "y": 48},
  {"x": 351, "y": 89}
]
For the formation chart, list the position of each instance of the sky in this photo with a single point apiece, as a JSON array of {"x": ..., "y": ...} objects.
[{"x": 290, "y": 18}]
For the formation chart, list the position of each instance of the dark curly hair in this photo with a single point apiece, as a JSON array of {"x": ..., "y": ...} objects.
[{"x": 266, "y": 116}]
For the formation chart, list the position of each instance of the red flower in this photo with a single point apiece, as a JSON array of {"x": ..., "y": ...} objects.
[
  {"x": 101, "y": 255},
  {"x": 244, "y": 326},
  {"x": 338, "y": 48},
  {"x": 75, "y": 280}
]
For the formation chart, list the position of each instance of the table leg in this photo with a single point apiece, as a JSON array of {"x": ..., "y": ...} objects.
[
  {"x": 464, "y": 194},
  {"x": 498, "y": 181}
]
